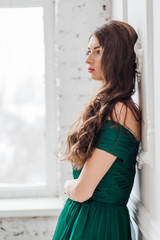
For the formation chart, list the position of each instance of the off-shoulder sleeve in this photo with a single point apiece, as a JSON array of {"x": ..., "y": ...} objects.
[{"x": 120, "y": 143}]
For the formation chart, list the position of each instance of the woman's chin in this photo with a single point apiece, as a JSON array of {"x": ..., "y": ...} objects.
[{"x": 96, "y": 79}]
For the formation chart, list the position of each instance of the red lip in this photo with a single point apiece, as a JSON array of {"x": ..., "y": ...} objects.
[{"x": 91, "y": 69}]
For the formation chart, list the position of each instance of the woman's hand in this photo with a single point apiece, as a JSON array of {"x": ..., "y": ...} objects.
[
  {"x": 70, "y": 188},
  {"x": 66, "y": 184}
]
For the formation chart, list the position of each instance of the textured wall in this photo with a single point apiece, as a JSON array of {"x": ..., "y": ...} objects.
[
  {"x": 75, "y": 21},
  {"x": 145, "y": 19},
  {"x": 35, "y": 228}
]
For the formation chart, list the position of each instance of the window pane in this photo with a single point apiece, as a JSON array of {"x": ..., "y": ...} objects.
[{"x": 22, "y": 96}]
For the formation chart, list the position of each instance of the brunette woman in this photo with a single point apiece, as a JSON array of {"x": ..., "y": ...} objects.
[{"x": 103, "y": 143}]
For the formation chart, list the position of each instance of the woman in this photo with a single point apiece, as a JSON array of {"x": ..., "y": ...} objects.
[{"x": 103, "y": 145}]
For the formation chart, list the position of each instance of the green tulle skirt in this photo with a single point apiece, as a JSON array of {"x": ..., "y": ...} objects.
[{"x": 93, "y": 220}]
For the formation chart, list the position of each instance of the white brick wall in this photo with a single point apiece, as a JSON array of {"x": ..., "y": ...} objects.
[
  {"x": 35, "y": 228},
  {"x": 75, "y": 21}
]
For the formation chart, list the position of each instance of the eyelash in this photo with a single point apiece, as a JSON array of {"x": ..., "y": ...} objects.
[{"x": 90, "y": 51}]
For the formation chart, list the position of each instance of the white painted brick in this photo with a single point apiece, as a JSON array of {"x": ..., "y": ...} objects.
[
  {"x": 35, "y": 228},
  {"x": 76, "y": 21}
]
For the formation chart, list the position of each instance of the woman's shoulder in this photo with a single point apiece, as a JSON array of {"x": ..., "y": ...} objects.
[{"x": 125, "y": 116}]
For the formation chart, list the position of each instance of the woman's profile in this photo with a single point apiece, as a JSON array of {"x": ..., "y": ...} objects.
[{"x": 103, "y": 143}]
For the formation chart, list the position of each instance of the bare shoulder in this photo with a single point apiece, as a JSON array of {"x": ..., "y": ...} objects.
[{"x": 125, "y": 116}]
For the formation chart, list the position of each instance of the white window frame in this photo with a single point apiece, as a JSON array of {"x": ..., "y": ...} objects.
[{"x": 51, "y": 188}]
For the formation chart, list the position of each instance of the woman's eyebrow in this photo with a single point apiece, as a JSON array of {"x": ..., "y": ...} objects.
[{"x": 95, "y": 47}]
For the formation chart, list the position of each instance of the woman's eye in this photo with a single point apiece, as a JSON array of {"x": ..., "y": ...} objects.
[{"x": 98, "y": 51}]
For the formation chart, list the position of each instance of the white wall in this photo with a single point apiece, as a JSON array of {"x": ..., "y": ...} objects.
[
  {"x": 144, "y": 17},
  {"x": 35, "y": 228},
  {"x": 74, "y": 23}
]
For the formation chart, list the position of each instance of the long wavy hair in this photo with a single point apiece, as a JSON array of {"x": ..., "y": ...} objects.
[{"x": 118, "y": 66}]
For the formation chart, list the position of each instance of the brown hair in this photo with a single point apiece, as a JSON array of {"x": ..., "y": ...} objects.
[{"x": 119, "y": 70}]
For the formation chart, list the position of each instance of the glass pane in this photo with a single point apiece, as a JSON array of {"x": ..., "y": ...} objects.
[{"x": 22, "y": 96}]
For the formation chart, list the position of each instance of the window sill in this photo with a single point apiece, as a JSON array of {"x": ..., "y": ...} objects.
[{"x": 31, "y": 207}]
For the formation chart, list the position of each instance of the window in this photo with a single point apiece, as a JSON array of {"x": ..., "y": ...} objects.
[{"x": 28, "y": 109}]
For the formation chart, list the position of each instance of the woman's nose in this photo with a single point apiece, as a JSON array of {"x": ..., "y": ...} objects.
[{"x": 89, "y": 59}]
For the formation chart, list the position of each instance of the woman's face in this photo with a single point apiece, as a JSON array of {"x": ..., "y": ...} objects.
[{"x": 93, "y": 59}]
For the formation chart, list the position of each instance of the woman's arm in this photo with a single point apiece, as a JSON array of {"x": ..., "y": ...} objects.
[{"x": 82, "y": 188}]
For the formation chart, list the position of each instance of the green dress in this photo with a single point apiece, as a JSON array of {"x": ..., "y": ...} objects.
[{"x": 105, "y": 215}]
